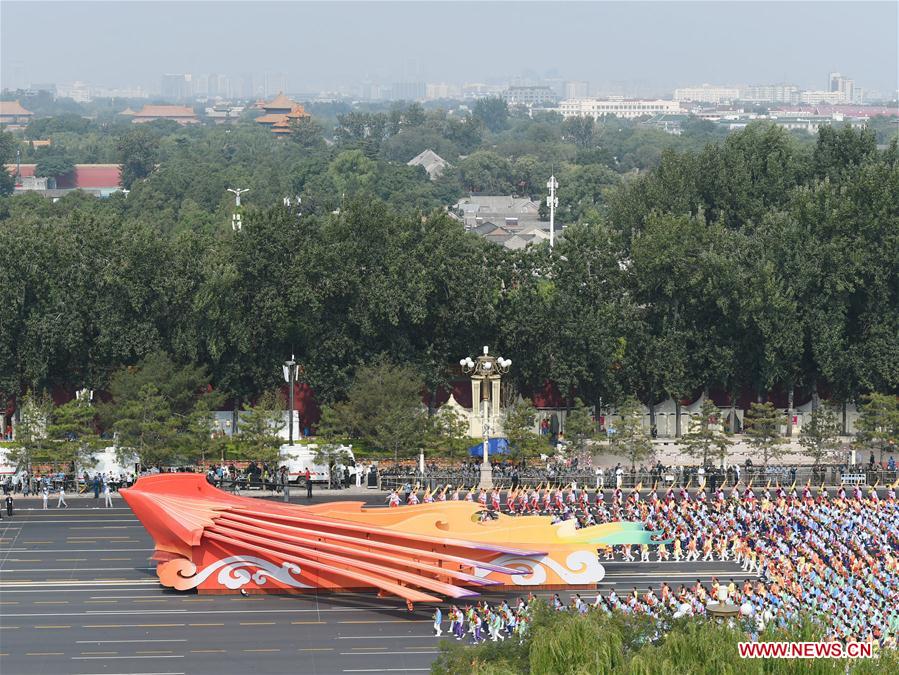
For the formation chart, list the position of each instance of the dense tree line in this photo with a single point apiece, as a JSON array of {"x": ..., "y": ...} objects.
[
  {"x": 633, "y": 644},
  {"x": 759, "y": 262}
]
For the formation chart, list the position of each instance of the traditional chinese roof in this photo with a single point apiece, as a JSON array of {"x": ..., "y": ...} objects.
[
  {"x": 280, "y": 102},
  {"x": 9, "y": 108},
  {"x": 166, "y": 111}
]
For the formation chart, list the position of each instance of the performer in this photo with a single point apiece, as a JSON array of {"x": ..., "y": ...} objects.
[{"x": 394, "y": 499}]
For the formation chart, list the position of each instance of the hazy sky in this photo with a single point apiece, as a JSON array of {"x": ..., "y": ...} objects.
[{"x": 324, "y": 45}]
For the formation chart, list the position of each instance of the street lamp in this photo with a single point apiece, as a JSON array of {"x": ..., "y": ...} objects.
[
  {"x": 486, "y": 372},
  {"x": 291, "y": 370}
]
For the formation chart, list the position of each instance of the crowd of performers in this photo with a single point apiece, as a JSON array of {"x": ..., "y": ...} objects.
[{"x": 832, "y": 554}]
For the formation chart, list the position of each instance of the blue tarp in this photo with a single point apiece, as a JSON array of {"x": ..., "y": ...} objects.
[{"x": 496, "y": 446}]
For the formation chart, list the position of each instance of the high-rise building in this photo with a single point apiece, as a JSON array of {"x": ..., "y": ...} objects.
[
  {"x": 408, "y": 91},
  {"x": 576, "y": 89},
  {"x": 177, "y": 86},
  {"x": 846, "y": 86}
]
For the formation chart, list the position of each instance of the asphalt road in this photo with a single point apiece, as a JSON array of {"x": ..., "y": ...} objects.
[{"x": 79, "y": 595}]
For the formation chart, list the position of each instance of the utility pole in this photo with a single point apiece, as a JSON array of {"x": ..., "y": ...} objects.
[{"x": 552, "y": 202}]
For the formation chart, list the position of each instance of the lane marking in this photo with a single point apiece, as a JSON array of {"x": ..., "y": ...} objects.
[
  {"x": 133, "y": 625},
  {"x": 371, "y": 653},
  {"x": 51, "y": 627},
  {"x": 262, "y": 650},
  {"x": 154, "y": 651},
  {"x": 157, "y": 656},
  {"x": 207, "y": 651},
  {"x": 387, "y": 670},
  {"x": 98, "y": 642},
  {"x": 186, "y": 612},
  {"x": 76, "y": 550},
  {"x": 134, "y": 674},
  {"x": 44, "y": 653},
  {"x": 382, "y": 637}
]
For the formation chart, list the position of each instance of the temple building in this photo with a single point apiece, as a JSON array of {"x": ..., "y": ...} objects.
[
  {"x": 279, "y": 113},
  {"x": 149, "y": 113},
  {"x": 13, "y": 115}
]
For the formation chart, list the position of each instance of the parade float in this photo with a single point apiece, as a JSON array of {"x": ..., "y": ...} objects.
[{"x": 216, "y": 542}]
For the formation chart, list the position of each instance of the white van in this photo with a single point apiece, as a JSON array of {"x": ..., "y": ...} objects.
[{"x": 297, "y": 458}]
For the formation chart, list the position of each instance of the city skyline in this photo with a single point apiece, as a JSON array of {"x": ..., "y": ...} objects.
[{"x": 465, "y": 43}]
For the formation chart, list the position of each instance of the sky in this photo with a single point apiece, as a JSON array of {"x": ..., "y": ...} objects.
[{"x": 656, "y": 46}]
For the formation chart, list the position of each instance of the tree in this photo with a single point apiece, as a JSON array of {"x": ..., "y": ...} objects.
[
  {"x": 307, "y": 133},
  {"x": 72, "y": 433},
  {"x": 579, "y": 427},
  {"x": 448, "y": 432},
  {"x": 8, "y": 145},
  {"x": 520, "y": 426},
  {"x": 579, "y": 130},
  {"x": 820, "y": 435},
  {"x": 258, "y": 432},
  {"x": 53, "y": 165},
  {"x": 138, "y": 151},
  {"x": 31, "y": 441},
  {"x": 155, "y": 406},
  {"x": 145, "y": 427},
  {"x": 492, "y": 112},
  {"x": 629, "y": 439},
  {"x": 383, "y": 409},
  {"x": 878, "y": 422},
  {"x": 705, "y": 438},
  {"x": 762, "y": 428}
]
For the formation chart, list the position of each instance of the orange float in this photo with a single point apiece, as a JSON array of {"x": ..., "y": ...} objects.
[{"x": 216, "y": 542}]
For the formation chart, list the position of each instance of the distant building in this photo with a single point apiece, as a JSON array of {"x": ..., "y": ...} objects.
[
  {"x": 442, "y": 90},
  {"x": 223, "y": 113},
  {"x": 13, "y": 115},
  {"x": 707, "y": 94},
  {"x": 279, "y": 113},
  {"x": 177, "y": 113},
  {"x": 576, "y": 89},
  {"x": 98, "y": 179},
  {"x": 530, "y": 96},
  {"x": 177, "y": 86},
  {"x": 408, "y": 91},
  {"x": 844, "y": 85},
  {"x": 431, "y": 162},
  {"x": 619, "y": 107},
  {"x": 771, "y": 93},
  {"x": 818, "y": 97},
  {"x": 504, "y": 210}
]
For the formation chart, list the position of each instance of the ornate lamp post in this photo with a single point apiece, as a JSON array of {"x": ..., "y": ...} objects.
[{"x": 486, "y": 372}]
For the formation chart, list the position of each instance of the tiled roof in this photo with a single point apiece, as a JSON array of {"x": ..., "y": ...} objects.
[
  {"x": 165, "y": 111},
  {"x": 13, "y": 108},
  {"x": 280, "y": 102}
]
